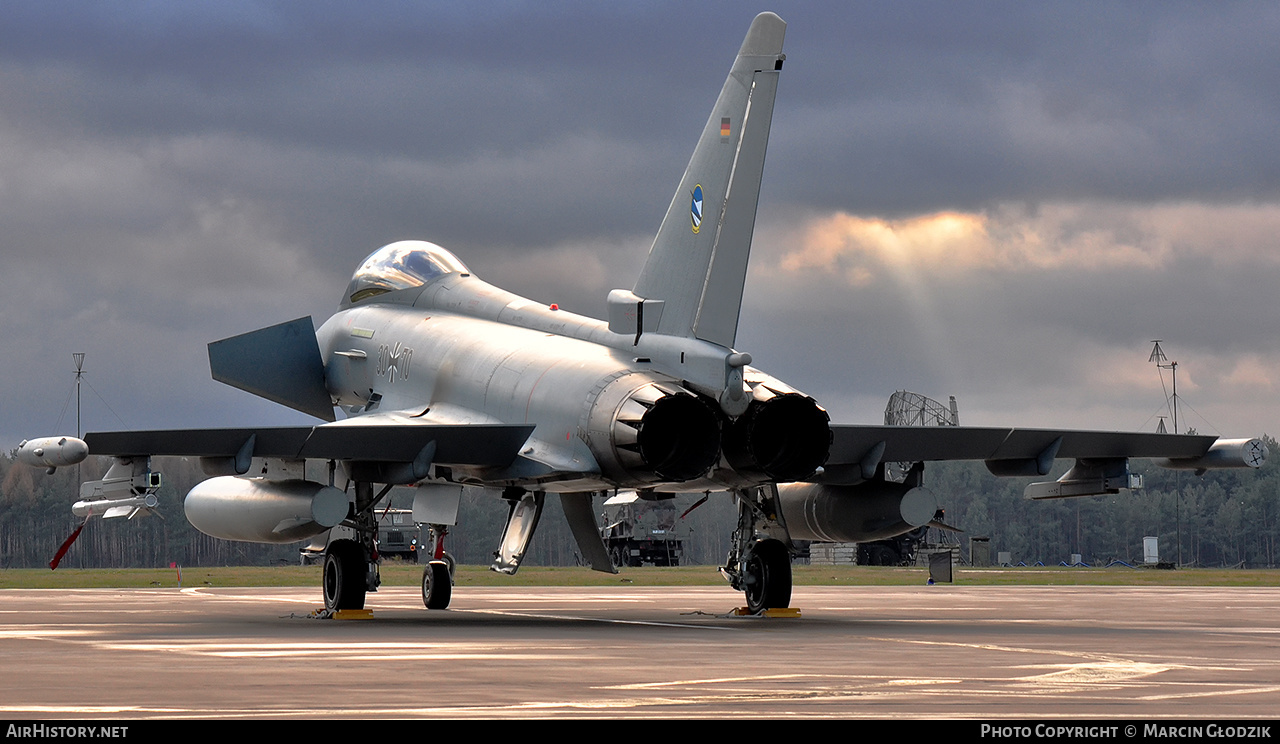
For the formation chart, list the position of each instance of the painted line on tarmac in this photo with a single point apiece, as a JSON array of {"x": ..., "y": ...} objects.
[{"x": 608, "y": 620}]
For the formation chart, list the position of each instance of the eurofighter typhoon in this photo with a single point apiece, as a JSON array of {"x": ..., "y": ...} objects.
[{"x": 448, "y": 383}]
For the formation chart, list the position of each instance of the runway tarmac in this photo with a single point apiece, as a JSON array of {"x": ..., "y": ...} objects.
[{"x": 874, "y": 652}]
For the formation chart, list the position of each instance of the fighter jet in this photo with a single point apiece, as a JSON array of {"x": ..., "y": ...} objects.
[{"x": 448, "y": 383}]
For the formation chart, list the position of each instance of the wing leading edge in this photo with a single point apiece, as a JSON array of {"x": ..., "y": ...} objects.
[
  {"x": 856, "y": 452},
  {"x": 481, "y": 445}
]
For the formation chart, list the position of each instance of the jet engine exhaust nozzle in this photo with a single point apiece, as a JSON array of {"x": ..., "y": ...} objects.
[
  {"x": 786, "y": 437},
  {"x": 661, "y": 432}
]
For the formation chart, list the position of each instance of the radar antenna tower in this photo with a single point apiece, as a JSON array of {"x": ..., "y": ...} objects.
[
  {"x": 912, "y": 409},
  {"x": 1162, "y": 362},
  {"x": 79, "y": 360},
  {"x": 78, "y": 357}
]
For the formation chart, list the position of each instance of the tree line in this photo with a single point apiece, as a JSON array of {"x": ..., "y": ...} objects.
[{"x": 1223, "y": 518}]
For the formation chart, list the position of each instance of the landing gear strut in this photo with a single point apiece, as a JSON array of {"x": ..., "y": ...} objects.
[
  {"x": 759, "y": 562},
  {"x": 351, "y": 566},
  {"x": 437, "y": 575}
]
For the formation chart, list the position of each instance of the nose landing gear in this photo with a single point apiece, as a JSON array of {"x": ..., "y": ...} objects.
[{"x": 437, "y": 575}]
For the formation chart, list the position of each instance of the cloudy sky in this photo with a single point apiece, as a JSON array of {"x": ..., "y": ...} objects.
[{"x": 1001, "y": 202}]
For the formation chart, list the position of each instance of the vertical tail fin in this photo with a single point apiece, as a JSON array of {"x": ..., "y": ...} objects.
[{"x": 698, "y": 262}]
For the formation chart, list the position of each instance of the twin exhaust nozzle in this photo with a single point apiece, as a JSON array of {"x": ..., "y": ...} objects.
[{"x": 661, "y": 432}]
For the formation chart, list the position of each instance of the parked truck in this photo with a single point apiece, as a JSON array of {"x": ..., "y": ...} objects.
[
  {"x": 398, "y": 537},
  {"x": 639, "y": 531}
]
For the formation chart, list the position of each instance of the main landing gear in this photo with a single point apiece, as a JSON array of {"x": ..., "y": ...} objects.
[
  {"x": 759, "y": 562},
  {"x": 351, "y": 566},
  {"x": 345, "y": 572},
  {"x": 767, "y": 576}
]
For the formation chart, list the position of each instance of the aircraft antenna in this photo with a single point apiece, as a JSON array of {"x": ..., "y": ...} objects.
[
  {"x": 79, "y": 360},
  {"x": 1162, "y": 362}
]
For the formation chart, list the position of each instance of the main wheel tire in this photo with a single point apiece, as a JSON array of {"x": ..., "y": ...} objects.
[
  {"x": 345, "y": 581},
  {"x": 768, "y": 572},
  {"x": 437, "y": 586}
]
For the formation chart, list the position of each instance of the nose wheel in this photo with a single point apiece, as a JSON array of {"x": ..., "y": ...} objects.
[
  {"x": 437, "y": 585},
  {"x": 437, "y": 575}
]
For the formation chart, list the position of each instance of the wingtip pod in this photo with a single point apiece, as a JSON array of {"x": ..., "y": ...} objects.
[
  {"x": 52, "y": 452},
  {"x": 1224, "y": 453}
]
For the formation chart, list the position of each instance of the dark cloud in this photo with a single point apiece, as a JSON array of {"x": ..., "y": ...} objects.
[{"x": 928, "y": 107}]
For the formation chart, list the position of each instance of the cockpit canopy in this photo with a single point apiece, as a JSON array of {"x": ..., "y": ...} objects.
[{"x": 401, "y": 265}]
